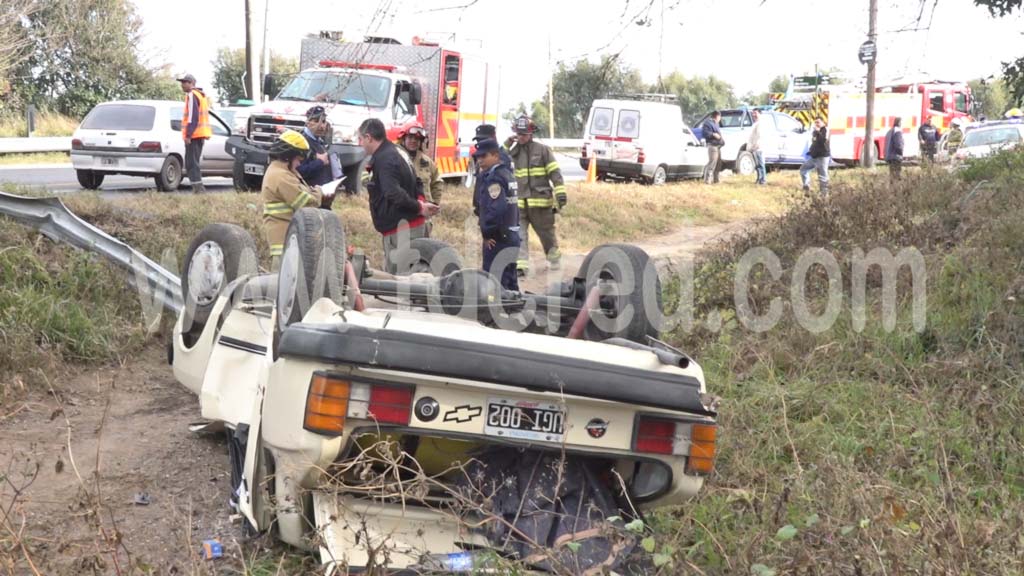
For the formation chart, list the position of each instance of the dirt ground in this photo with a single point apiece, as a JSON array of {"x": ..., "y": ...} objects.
[{"x": 77, "y": 460}]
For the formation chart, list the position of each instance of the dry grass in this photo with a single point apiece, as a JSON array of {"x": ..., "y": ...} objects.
[{"x": 47, "y": 124}]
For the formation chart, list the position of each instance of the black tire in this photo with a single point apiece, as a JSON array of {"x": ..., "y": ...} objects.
[
  {"x": 430, "y": 255},
  {"x": 354, "y": 184},
  {"x": 245, "y": 182},
  {"x": 218, "y": 255},
  {"x": 170, "y": 175},
  {"x": 631, "y": 270},
  {"x": 88, "y": 179},
  {"x": 744, "y": 165},
  {"x": 313, "y": 264}
]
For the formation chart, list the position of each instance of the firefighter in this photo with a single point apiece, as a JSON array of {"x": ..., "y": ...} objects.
[
  {"x": 541, "y": 194},
  {"x": 284, "y": 191},
  {"x": 495, "y": 196},
  {"x": 1014, "y": 114},
  {"x": 414, "y": 141},
  {"x": 956, "y": 136},
  {"x": 195, "y": 129}
]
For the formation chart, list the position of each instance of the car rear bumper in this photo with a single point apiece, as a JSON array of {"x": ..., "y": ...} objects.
[
  {"x": 624, "y": 169},
  {"x": 118, "y": 162}
]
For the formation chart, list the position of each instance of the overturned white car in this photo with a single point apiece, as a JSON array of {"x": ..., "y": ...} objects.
[{"x": 421, "y": 437}]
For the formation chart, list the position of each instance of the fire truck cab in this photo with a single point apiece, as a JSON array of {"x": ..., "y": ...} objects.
[{"x": 445, "y": 90}]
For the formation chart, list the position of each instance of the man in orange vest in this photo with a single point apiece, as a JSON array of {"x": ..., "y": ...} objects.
[{"x": 195, "y": 129}]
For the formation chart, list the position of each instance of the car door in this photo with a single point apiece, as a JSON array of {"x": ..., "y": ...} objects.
[
  {"x": 793, "y": 139},
  {"x": 695, "y": 155},
  {"x": 216, "y": 160}
]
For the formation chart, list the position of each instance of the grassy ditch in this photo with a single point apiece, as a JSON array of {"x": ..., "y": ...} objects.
[
  {"x": 35, "y": 158},
  {"x": 47, "y": 124},
  {"x": 60, "y": 305},
  {"x": 867, "y": 450}
]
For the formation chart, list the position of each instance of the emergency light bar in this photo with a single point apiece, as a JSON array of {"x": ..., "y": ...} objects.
[{"x": 357, "y": 66}]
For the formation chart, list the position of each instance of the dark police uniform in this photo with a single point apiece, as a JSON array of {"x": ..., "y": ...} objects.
[{"x": 495, "y": 198}]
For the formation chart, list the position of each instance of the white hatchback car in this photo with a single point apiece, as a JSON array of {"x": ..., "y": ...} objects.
[{"x": 142, "y": 138}]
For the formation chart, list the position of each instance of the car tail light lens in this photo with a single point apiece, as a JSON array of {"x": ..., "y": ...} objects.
[
  {"x": 640, "y": 158},
  {"x": 76, "y": 144},
  {"x": 332, "y": 400},
  {"x": 673, "y": 437},
  {"x": 150, "y": 147}
]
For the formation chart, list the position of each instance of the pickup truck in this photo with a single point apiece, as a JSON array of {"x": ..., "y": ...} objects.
[
  {"x": 467, "y": 425},
  {"x": 784, "y": 140}
]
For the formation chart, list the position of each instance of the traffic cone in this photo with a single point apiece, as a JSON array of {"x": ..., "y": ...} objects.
[{"x": 592, "y": 171}]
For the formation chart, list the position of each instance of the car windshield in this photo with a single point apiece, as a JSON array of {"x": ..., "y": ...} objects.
[
  {"x": 732, "y": 119},
  {"x": 338, "y": 87},
  {"x": 120, "y": 117},
  {"x": 994, "y": 136}
]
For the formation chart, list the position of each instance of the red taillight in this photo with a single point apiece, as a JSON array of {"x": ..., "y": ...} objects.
[
  {"x": 655, "y": 436},
  {"x": 695, "y": 440},
  {"x": 391, "y": 404},
  {"x": 640, "y": 156},
  {"x": 150, "y": 147},
  {"x": 76, "y": 144}
]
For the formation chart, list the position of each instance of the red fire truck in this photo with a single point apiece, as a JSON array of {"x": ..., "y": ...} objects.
[
  {"x": 449, "y": 92},
  {"x": 843, "y": 108}
]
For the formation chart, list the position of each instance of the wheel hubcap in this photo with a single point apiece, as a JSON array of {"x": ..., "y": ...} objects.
[
  {"x": 206, "y": 273},
  {"x": 746, "y": 166},
  {"x": 660, "y": 176}
]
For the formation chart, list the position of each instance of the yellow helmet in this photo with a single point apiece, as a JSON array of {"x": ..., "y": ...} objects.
[
  {"x": 1015, "y": 113},
  {"x": 295, "y": 140}
]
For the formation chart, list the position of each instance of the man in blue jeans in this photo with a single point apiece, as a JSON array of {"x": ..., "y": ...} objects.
[
  {"x": 819, "y": 156},
  {"x": 754, "y": 146}
]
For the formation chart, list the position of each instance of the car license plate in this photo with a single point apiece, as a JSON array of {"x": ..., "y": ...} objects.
[
  {"x": 108, "y": 161},
  {"x": 525, "y": 420},
  {"x": 257, "y": 169}
]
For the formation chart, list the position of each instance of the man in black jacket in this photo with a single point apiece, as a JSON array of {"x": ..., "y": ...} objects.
[
  {"x": 316, "y": 168},
  {"x": 894, "y": 149},
  {"x": 819, "y": 156},
  {"x": 398, "y": 207}
]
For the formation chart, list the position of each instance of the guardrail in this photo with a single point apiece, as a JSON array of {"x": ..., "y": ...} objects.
[{"x": 35, "y": 144}]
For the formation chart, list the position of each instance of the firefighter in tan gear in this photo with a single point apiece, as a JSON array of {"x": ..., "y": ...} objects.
[
  {"x": 541, "y": 194},
  {"x": 284, "y": 191},
  {"x": 414, "y": 141}
]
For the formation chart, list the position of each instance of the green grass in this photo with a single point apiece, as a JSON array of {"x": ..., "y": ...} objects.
[
  {"x": 870, "y": 452},
  {"x": 35, "y": 158}
]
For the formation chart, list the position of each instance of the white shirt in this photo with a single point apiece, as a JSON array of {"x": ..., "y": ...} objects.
[{"x": 754, "y": 141}]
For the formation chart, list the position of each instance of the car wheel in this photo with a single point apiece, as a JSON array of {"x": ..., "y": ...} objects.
[
  {"x": 88, "y": 179},
  {"x": 354, "y": 183},
  {"x": 660, "y": 176},
  {"x": 245, "y": 182},
  {"x": 745, "y": 164},
  {"x": 169, "y": 177},
  {"x": 430, "y": 256},
  {"x": 312, "y": 265},
  {"x": 630, "y": 311},
  {"x": 218, "y": 255}
]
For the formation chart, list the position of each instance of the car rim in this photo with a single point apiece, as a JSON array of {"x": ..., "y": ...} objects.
[
  {"x": 288, "y": 280},
  {"x": 747, "y": 165},
  {"x": 206, "y": 273},
  {"x": 172, "y": 173},
  {"x": 659, "y": 176}
]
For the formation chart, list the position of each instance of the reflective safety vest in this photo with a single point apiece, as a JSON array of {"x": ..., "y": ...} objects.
[
  {"x": 283, "y": 194},
  {"x": 538, "y": 175},
  {"x": 202, "y": 129}
]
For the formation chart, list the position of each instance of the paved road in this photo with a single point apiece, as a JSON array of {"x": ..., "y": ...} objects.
[{"x": 60, "y": 178}]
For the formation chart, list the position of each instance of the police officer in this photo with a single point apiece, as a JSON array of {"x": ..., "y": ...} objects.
[
  {"x": 284, "y": 191},
  {"x": 316, "y": 168},
  {"x": 542, "y": 193},
  {"x": 495, "y": 196}
]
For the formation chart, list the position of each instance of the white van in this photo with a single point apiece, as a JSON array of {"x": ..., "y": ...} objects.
[{"x": 641, "y": 140}]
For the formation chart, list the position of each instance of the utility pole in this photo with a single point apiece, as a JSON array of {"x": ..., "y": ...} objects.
[
  {"x": 252, "y": 65},
  {"x": 867, "y": 157},
  {"x": 551, "y": 93},
  {"x": 266, "y": 45}
]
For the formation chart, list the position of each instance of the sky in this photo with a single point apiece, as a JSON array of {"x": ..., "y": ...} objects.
[{"x": 744, "y": 42}]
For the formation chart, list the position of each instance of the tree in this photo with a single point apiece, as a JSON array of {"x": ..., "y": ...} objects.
[
  {"x": 85, "y": 52},
  {"x": 990, "y": 97},
  {"x": 778, "y": 84},
  {"x": 1013, "y": 72},
  {"x": 699, "y": 95},
  {"x": 229, "y": 68},
  {"x": 14, "y": 41},
  {"x": 576, "y": 88}
]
